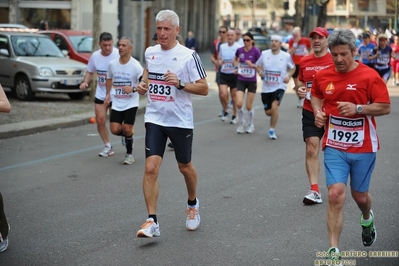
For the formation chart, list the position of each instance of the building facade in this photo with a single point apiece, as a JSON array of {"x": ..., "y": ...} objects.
[
  {"x": 375, "y": 14},
  {"x": 133, "y": 18}
]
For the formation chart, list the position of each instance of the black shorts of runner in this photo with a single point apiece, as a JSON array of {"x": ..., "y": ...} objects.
[
  {"x": 218, "y": 76},
  {"x": 269, "y": 97},
  {"x": 98, "y": 101},
  {"x": 309, "y": 129},
  {"x": 156, "y": 137},
  {"x": 128, "y": 116},
  {"x": 228, "y": 79},
  {"x": 296, "y": 73},
  {"x": 243, "y": 85},
  {"x": 384, "y": 73}
]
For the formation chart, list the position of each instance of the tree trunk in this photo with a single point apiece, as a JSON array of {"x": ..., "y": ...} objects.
[
  {"x": 298, "y": 12},
  {"x": 96, "y": 31},
  {"x": 322, "y": 19}
]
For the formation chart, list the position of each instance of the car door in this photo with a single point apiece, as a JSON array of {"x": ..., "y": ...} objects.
[
  {"x": 60, "y": 41},
  {"x": 6, "y": 62}
]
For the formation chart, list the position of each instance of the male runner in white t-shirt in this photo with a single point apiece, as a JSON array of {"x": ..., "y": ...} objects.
[
  {"x": 275, "y": 67},
  {"x": 122, "y": 79},
  {"x": 98, "y": 62},
  {"x": 172, "y": 73}
]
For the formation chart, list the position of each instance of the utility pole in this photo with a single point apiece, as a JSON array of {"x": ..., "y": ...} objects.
[
  {"x": 395, "y": 25},
  {"x": 97, "y": 11},
  {"x": 253, "y": 13}
]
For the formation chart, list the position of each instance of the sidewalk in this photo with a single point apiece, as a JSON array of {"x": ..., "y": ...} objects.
[{"x": 37, "y": 126}]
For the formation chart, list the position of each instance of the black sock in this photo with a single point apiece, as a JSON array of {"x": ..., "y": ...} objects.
[
  {"x": 153, "y": 216},
  {"x": 129, "y": 144},
  {"x": 192, "y": 202}
]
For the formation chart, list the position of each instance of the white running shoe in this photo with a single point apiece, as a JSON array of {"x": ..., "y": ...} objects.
[
  {"x": 272, "y": 135},
  {"x": 128, "y": 159},
  {"x": 4, "y": 244},
  {"x": 241, "y": 129},
  {"x": 233, "y": 120},
  {"x": 107, "y": 151},
  {"x": 221, "y": 113},
  {"x": 149, "y": 229},
  {"x": 225, "y": 116},
  {"x": 250, "y": 129},
  {"x": 193, "y": 217},
  {"x": 313, "y": 197}
]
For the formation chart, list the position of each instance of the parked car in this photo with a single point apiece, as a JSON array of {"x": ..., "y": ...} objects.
[
  {"x": 12, "y": 26},
  {"x": 32, "y": 63},
  {"x": 77, "y": 44},
  {"x": 262, "y": 42}
]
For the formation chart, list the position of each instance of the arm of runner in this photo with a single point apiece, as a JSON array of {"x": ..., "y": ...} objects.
[
  {"x": 200, "y": 87},
  {"x": 320, "y": 117},
  {"x": 142, "y": 88},
  {"x": 259, "y": 69},
  {"x": 108, "y": 85},
  {"x": 86, "y": 80},
  {"x": 5, "y": 106},
  {"x": 373, "y": 109},
  {"x": 290, "y": 72},
  {"x": 300, "y": 89}
]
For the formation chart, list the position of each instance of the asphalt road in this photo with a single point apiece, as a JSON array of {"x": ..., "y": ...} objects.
[{"x": 67, "y": 206}]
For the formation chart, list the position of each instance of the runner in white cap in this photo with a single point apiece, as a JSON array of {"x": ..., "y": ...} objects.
[{"x": 275, "y": 68}]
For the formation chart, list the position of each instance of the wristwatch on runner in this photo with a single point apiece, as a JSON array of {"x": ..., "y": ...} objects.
[
  {"x": 359, "y": 109},
  {"x": 182, "y": 84}
]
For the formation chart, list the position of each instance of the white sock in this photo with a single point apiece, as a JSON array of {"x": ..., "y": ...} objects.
[
  {"x": 241, "y": 116},
  {"x": 251, "y": 117},
  {"x": 108, "y": 144},
  {"x": 271, "y": 129}
]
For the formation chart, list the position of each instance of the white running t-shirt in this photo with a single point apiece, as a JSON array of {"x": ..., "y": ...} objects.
[
  {"x": 124, "y": 75},
  {"x": 227, "y": 54},
  {"x": 99, "y": 63},
  {"x": 168, "y": 106},
  {"x": 274, "y": 69}
]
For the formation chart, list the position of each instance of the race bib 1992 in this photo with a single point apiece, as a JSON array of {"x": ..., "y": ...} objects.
[{"x": 344, "y": 133}]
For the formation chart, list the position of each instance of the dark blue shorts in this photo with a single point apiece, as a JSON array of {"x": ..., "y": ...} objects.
[{"x": 181, "y": 138}]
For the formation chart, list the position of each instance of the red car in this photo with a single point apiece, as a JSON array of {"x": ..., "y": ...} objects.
[{"x": 77, "y": 44}]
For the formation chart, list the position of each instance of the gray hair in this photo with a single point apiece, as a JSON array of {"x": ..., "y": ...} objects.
[
  {"x": 168, "y": 15},
  {"x": 342, "y": 37},
  {"x": 128, "y": 39}
]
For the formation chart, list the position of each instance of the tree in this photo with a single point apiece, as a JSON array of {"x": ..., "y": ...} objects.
[
  {"x": 96, "y": 31},
  {"x": 322, "y": 18}
]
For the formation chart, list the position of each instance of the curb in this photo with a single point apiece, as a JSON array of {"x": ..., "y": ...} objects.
[{"x": 33, "y": 127}]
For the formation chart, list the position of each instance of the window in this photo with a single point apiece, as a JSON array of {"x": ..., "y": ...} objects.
[
  {"x": 340, "y": 5},
  {"x": 367, "y": 5},
  {"x": 57, "y": 18}
]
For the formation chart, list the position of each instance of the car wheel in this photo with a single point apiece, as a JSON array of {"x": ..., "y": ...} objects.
[
  {"x": 22, "y": 89},
  {"x": 77, "y": 96}
]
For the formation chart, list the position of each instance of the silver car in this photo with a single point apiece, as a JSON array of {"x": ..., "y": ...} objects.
[{"x": 32, "y": 63}]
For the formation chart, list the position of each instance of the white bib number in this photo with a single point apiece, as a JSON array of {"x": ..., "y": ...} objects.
[
  {"x": 308, "y": 89},
  {"x": 228, "y": 67},
  {"x": 246, "y": 71},
  {"x": 272, "y": 78},
  {"x": 344, "y": 133},
  {"x": 161, "y": 91}
]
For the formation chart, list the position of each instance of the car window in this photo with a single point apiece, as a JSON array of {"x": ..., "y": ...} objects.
[
  {"x": 35, "y": 46},
  {"x": 60, "y": 42},
  {"x": 4, "y": 43},
  {"x": 82, "y": 43}
]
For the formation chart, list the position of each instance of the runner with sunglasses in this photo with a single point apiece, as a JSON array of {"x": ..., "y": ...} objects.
[{"x": 245, "y": 66}]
